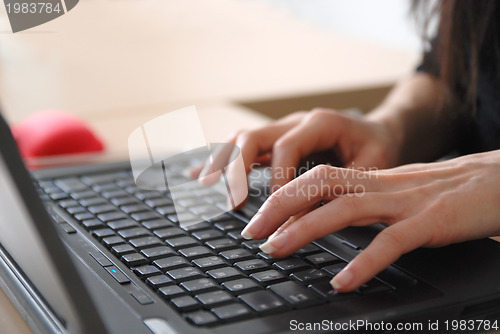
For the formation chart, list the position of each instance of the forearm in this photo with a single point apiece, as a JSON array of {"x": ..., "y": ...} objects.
[{"x": 424, "y": 129}]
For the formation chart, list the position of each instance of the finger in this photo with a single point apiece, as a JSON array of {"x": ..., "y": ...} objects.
[
  {"x": 250, "y": 146},
  {"x": 386, "y": 248},
  {"x": 346, "y": 210},
  {"x": 320, "y": 183},
  {"x": 312, "y": 134},
  {"x": 293, "y": 219},
  {"x": 368, "y": 158},
  {"x": 220, "y": 156},
  {"x": 194, "y": 172}
]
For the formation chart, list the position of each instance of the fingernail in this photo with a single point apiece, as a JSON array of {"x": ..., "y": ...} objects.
[
  {"x": 253, "y": 227},
  {"x": 273, "y": 244},
  {"x": 341, "y": 279}
]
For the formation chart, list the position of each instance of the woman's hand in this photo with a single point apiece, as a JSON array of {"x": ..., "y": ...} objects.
[
  {"x": 359, "y": 142},
  {"x": 424, "y": 205}
]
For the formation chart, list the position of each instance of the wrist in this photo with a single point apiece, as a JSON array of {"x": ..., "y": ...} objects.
[{"x": 393, "y": 129}]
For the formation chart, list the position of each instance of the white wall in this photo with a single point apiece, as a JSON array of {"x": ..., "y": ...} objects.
[{"x": 381, "y": 21}]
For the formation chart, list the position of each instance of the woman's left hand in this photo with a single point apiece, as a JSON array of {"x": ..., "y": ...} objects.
[{"x": 423, "y": 205}]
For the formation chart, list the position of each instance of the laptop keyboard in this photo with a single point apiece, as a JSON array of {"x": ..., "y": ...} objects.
[{"x": 206, "y": 271}]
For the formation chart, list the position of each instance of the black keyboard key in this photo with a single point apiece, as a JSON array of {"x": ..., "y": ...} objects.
[
  {"x": 202, "y": 318},
  {"x": 77, "y": 195},
  {"x": 241, "y": 286},
  {"x": 310, "y": 275},
  {"x": 123, "y": 183},
  {"x": 103, "y": 232},
  {"x": 170, "y": 263},
  {"x": 208, "y": 263},
  {"x": 171, "y": 291},
  {"x": 103, "y": 178},
  {"x": 230, "y": 225},
  {"x": 264, "y": 301},
  {"x": 219, "y": 245},
  {"x": 67, "y": 203},
  {"x": 186, "y": 273},
  {"x": 170, "y": 232},
  {"x": 374, "y": 286},
  {"x": 334, "y": 269},
  {"x": 236, "y": 255},
  {"x": 204, "y": 210},
  {"x": 166, "y": 210},
  {"x": 104, "y": 187},
  {"x": 321, "y": 259},
  {"x": 107, "y": 217},
  {"x": 214, "y": 298},
  {"x": 159, "y": 281},
  {"x": 67, "y": 228},
  {"x": 195, "y": 252},
  {"x": 120, "y": 250},
  {"x": 158, "y": 252},
  {"x": 266, "y": 257},
  {"x": 112, "y": 241},
  {"x": 185, "y": 217},
  {"x": 134, "y": 259},
  {"x": 200, "y": 285},
  {"x": 134, "y": 208},
  {"x": 251, "y": 266},
  {"x": 182, "y": 242},
  {"x": 84, "y": 216},
  {"x": 145, "y": 242},
  {"x": 70, "y": 184},
  {"x": 232, "y": 312},
  {"x": 253, "y": 245},
  {"x": 96, "y": 209},
  {"x": 157, "y": 223},
  {"x": 185, "y": 303},
  {"x": 196, "y": 227},
  {"x": 134, "y": 232},
  {"x": 155, "y": 202},
  {"x": 308, "y": 250},
  {"x": 295, "y": 294},
  {"x": 114, "y": 193},
  {"x": 326, "y": 291},
  {"x": 268, "y": 277},
  {"x": 291, "y": 265},
  {"x": 122, "y": 223},
  {"x": 117, "y": 274},
  {"x": 144, "y": 195},
  {"x": 124, "y": 200},
  {"x": 91, "y": 224},
  {"x": 225, "y": 274},
  {"x": 92, "y": 201},
  {"x": 146, "y": 271},
  {"x": 222, "y": 217},
  {"x": 207, "y": 235},
  {"x": 76, "y": 209},
  {"x": 142, "y": 216},
  {"x": 141, "y": 298},
  {"x": 188, "y": 202},
  {"x": 236, "y": 235}
]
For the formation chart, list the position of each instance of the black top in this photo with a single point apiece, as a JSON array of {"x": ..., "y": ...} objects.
[{"x": 482, "y": 132}]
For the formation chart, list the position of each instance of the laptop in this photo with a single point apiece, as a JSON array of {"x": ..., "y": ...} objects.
[{"x": 84, "y": 250}]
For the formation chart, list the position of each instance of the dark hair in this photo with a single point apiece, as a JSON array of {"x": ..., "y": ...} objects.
[{"x": 459, "y": 47}]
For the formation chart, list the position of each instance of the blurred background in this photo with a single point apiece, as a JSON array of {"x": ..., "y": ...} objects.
[{"x": 122, "y": 58}]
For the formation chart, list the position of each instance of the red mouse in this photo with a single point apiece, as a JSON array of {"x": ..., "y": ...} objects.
[{"x": 54, "y": 132}]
